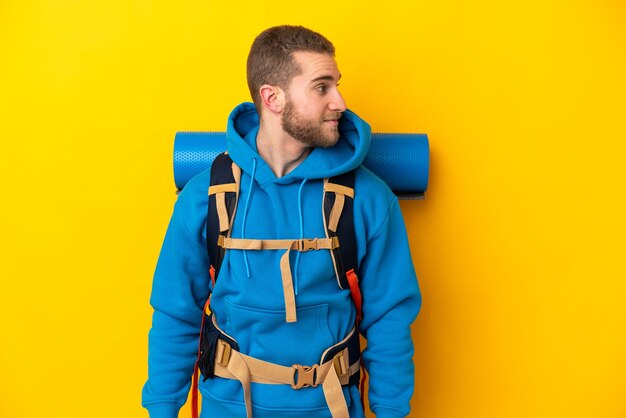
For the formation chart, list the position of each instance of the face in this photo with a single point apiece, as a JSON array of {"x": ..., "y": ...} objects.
[{"x": 313, "y": 103}]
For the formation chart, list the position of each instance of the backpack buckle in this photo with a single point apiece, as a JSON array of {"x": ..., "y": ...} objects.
[
  {"x": 304, "y": 376},
  {"x": 307, "y": 245}
]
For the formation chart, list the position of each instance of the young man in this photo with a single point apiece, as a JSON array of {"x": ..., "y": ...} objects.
[{"x": 280, "y": 307}]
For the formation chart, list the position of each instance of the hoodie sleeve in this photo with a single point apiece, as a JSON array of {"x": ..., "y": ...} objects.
[
  {"x": 391, "y": 302},
  {"x": 180, "y": 287}
]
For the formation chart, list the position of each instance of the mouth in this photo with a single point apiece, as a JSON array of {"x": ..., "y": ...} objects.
[{"x": 333, "y": 120}]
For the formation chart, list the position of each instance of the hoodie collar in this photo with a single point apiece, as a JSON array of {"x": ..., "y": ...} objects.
[{"x": 346, "y": 155}]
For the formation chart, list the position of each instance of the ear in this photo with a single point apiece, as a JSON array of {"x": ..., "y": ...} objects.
[{"x": 273, "y": 98}]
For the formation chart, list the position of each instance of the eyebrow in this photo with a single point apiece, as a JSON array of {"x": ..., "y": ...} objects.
[{"x": 325, "y": 78}]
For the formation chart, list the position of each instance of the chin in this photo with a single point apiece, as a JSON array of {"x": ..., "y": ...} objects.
[{"x": 331, "y": 142}]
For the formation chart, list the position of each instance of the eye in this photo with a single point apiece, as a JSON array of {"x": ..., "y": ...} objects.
[{"x": 322, "y": 88}]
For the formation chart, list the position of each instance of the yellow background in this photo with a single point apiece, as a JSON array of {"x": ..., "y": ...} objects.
[{"x": 519, "y": 245}]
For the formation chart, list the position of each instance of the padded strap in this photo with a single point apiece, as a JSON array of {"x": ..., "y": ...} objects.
[
  {"x": 223, "y": 196},
  {"x": 339, "y": 222}
]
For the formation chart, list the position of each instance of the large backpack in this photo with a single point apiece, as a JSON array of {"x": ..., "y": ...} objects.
[{"x": 340, "y": 240}]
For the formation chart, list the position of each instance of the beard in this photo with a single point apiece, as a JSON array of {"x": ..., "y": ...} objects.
[{"x": 310, "y": 132}]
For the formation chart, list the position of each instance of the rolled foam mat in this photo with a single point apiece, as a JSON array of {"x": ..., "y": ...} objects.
[{"x": 401, "y": 160}]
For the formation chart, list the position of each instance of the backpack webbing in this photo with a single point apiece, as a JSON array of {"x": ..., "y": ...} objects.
[{"x": 344, "y": 256}]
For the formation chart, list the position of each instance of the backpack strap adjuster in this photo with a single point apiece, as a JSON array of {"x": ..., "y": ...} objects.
[
  {"x": 222, "y": 354},
  {"x": 340, "y": 364}
]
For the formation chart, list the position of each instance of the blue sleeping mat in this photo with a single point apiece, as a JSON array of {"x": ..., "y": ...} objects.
[{"x": 401, "y": 160}]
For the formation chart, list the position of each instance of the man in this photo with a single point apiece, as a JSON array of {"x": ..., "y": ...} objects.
[{"x": 277, "y": 307}]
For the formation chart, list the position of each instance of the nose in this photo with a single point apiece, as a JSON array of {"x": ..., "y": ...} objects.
[{"x": 337, "y": 104}]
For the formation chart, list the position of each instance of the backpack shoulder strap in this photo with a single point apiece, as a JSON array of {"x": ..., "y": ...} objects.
[
  {"x": 223, "y": 196},
  {"x": 339, "y": 222},
  {"x": 338, "y": 210}
]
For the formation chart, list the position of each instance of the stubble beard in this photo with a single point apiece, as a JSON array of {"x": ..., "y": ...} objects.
[{"x": 309, "y": 132}]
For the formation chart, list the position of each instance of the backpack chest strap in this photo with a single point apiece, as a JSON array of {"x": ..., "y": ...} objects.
[{"x": 301, "y": 245}]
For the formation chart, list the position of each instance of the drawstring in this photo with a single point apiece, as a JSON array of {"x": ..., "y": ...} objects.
[
  {"x": 245, "y": 215},
  {"x": 295, "y": 270}
]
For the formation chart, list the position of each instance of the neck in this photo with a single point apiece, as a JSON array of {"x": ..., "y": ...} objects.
[{"x": 279, "y": 150}]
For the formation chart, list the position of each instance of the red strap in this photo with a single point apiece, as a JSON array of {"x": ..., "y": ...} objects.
[
  {"x": 212, "y": 273},
  {"x": 363, "y": 379},
  {"x": 194, "y": 381},
  {"x": 355, "y": 293},
  {"x": 194, "y": 392}
]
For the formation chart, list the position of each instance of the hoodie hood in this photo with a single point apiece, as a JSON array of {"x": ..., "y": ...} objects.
[{"x": 346, "y": 155}]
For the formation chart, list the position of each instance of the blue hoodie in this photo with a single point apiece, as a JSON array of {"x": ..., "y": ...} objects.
[{"x": 248, "y": 298}]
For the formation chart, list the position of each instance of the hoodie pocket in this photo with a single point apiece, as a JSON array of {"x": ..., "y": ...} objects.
[{"x": 263, "y": 333}]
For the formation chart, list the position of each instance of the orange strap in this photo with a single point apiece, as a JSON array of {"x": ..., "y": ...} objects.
[
  {"x": 355, "y": 293},
  {"x": 212, "y": 274}
]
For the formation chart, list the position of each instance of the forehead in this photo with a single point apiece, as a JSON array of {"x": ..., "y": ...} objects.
[{"x": 314, "y": 65}]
